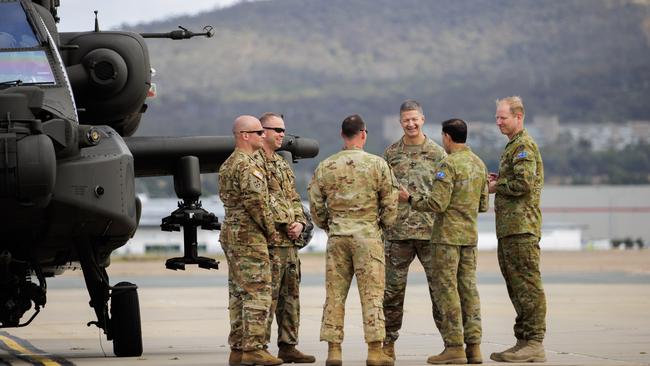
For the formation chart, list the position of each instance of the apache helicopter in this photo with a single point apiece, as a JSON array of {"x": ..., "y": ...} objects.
[{"x": 69, "y": 105}]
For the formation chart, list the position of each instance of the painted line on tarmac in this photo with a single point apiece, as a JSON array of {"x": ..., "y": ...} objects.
[{"x": 25, "y": 351}]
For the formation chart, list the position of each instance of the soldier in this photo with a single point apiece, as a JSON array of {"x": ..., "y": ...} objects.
[
  {"x": 411, "y": 159},
  {"x": 518, "y": 186},
  {"x": 245, "y": 234},
  {"x": 353, "y": 196},
  {"x": 286, "y": 207},
  {"x": 459, "y": 193}
]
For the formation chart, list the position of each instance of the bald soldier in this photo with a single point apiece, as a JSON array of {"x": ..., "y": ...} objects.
[
  {"x": 458, "y": 194},
  {"x": 353, "y": 197},
  {"x": 290, "y": 222},
  {"x": 518, "y": 187},
  {"x": 247, "y": 230}
]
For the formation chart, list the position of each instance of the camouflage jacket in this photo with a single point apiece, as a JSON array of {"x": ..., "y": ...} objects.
[
  {"x": 244, "y": 193},
  {"x": 459, "y": 193},
  {"x": 284, "y": 200},
  {"x": 415, "y": 170},
  {"x": 521, "y": 178},
  {"x": 353, "y": 193}
]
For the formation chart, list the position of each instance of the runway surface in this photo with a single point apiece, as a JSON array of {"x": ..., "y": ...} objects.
[{"x": 598, "y": 317}]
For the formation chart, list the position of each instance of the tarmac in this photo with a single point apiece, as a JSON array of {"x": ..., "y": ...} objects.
[{"x": 598, "y": 305}]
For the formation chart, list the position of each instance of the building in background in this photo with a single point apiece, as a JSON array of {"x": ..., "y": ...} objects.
[{"x": 574, "y": 218}]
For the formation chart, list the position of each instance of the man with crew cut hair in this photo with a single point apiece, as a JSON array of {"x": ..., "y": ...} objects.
[
  {"x": 459, "y": 193},
  {"x": 353, "y": 197},
  {"x": 286, "y": 207}
]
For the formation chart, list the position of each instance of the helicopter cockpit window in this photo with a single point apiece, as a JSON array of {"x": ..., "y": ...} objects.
[
  {"x": 25, "y": 67},
  {"x": 22, "y": 59},
  {"x": 15, "y": 31}
]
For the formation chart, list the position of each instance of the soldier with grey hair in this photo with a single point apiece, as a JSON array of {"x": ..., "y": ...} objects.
[
  {"x": 517, "y": 188},
  {"x": 413, "y": 159},
  {"x": 353, "y": 197},
  {"x": 458, "y": 194}
]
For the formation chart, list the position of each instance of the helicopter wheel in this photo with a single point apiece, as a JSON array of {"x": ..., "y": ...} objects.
[{"x": 125, "y": 320}]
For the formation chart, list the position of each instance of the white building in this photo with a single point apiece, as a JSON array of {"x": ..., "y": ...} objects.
[{"x": 149, "y": 239}]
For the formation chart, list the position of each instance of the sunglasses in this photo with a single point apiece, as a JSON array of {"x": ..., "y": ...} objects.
[
  {"x": 276, "y": 129},
  {"x": 258, "y": 132}
]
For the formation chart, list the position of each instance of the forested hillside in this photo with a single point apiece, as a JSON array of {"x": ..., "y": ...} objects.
[{"x": 318, "y": 61}]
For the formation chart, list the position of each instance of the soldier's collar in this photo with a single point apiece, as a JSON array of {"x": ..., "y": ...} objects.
[
  {"x": 517, "y": 136},
  {"x": 402, "y": 145},
  {"x": 463, "y": 148}
]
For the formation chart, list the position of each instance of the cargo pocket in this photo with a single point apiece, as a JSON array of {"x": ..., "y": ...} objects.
[{"x": 255, "y": 316}]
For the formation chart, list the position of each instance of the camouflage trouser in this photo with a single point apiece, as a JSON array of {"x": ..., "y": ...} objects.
[
  {"x": 457, "y": 299},
  {"x": 399, "y": 255},
  {"x": 249, "y": 287},
  {"x": 519, "y": 257},
  {"x": 346, "y": 257},
  {"x": 285, "y": 273}
]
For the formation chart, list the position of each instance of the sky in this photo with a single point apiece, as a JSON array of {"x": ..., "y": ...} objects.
[{"x": 77, "y": 15}]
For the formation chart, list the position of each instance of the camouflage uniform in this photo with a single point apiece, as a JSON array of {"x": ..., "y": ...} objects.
[
  {"x": 518, "y": 225},
  {"x": 286, "y": 207},
  {"x": 459, "y": 193},
  {"x": 353, "y": 196},
  {"x": 246, "y": 231},
  {"x": 413, "y": 166}
]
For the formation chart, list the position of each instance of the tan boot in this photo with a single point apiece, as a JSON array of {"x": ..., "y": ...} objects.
[
  {"x": 260, "y": 357},
  {"x": 389, "y": 350},
  {"x": 473, "y": 353},
  {"x": 333, "y": 354},
  {"x": 533, "y": 351},
  {"x": 290, "y": 354},
  {"x": 235, "y": 357},
  {"x": 498, "y": 356},
  {"x": 376, "y": 355},
  {"x": 450, "y": 355}
]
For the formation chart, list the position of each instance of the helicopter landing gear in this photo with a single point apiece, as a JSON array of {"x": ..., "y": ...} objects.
[
  {"x": 125, "y": 320},
  {"x": 123, "y": 325}
]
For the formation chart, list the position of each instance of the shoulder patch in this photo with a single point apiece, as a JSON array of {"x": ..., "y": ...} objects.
[
  {"x": 258, "y": 174},
  {"x": 522, "y": 155},
  {"x": 440, "y": 175}
]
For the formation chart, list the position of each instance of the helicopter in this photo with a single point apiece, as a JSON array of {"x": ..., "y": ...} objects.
[{"x": 70, "y": 103}]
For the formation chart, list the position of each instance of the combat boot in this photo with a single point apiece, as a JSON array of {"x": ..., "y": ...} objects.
[
  {"x": 333, "y": 354},
  {"x": 235, "y": 357},
  {"x": 260, "y": 357},
  {"x": 450, "y": 355},
  {"x": 290, "y": 354},
  {"x": 389, "y": 350},
  {"x": 498, "y": 356},
  {"x": 376, "y": 355},
  {"x": 533, "y": 351},
  {"x": 473, "y": 353}
]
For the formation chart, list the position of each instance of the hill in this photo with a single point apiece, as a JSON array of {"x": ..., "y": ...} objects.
[{"x": 318, "y": 61}]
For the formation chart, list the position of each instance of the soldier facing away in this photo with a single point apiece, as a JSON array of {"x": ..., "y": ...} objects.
[
  {"x": 518, "y": 187},
  {"x": 247, "y": 230},
  {"x": 459, "y": 193},
  {"x": 353, "y": 196},
  {"x": 289, "y": 220},
  {"x": 412, "y": 160}
]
